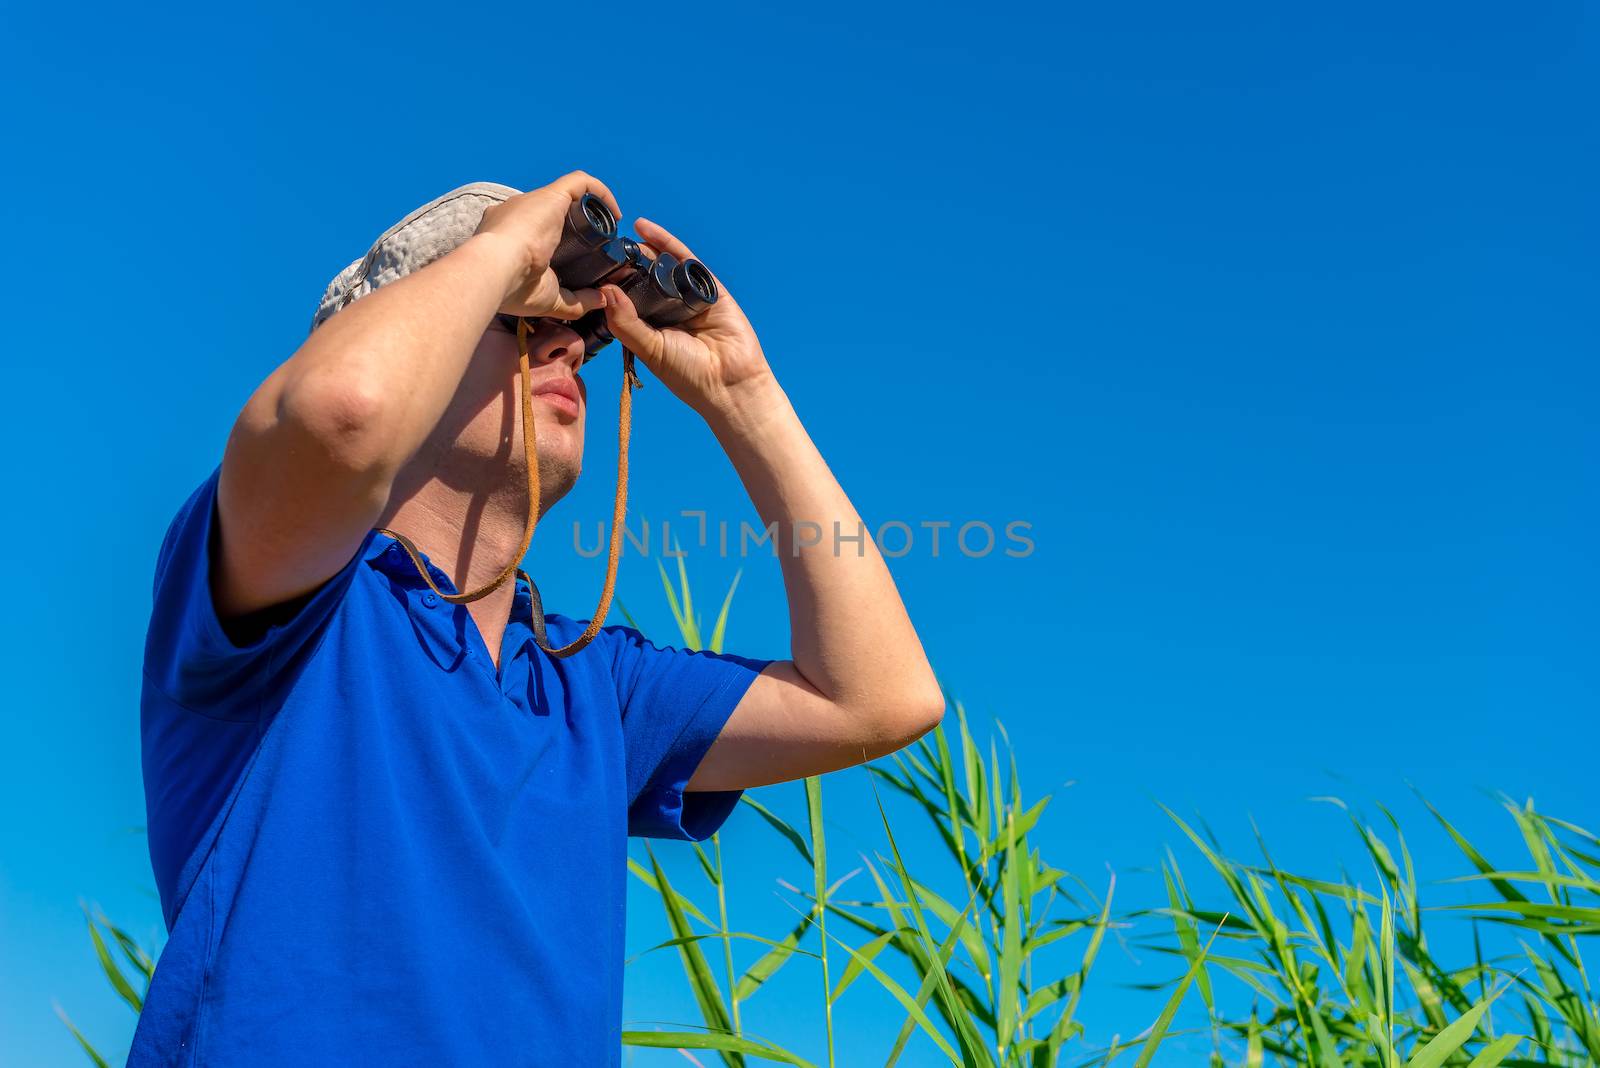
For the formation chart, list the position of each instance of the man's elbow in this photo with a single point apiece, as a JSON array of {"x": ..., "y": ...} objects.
[
  {"x": 909, "y": 719},
  {"x": 342, "y": 419}
]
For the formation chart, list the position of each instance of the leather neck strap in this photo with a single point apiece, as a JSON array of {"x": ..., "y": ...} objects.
[{"x": 630, "y": 382}]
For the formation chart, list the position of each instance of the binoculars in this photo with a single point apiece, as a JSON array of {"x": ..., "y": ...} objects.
[{"x": 664, "y": 289}]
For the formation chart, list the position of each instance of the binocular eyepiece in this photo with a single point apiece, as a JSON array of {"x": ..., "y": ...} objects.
[{"x": 664, "y": 289}]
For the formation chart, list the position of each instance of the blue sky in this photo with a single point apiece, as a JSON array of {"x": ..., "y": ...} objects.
[{"x": 1276, "y": 324}]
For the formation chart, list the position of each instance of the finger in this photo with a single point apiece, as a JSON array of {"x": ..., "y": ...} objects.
[
  {"x": 626, "y": 326},
  {"x": 569, "y": 304},
  {"x": 660, "y": 238},
  {"x": 576, "y": 303},
  {"x": 578, "y": 183}
]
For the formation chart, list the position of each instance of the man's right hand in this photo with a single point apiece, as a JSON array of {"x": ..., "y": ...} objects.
[{"x": 532, "y": 223}]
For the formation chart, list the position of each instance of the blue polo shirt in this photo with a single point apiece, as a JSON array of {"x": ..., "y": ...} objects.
[{"x": 372, "y": 848}]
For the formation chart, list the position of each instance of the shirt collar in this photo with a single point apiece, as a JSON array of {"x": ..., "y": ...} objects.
[{"x": 436, "y": 621}]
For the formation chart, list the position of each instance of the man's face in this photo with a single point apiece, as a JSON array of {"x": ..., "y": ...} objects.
[{"x": 555, "y": 354}]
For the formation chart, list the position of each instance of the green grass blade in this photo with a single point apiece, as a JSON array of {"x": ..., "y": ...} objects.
[
  {"x": 132, "y": 950},
  {"x": 1495, "y": 1052},
  {"x": 853, "y": 970},
  {"x": 772, "y": 960},
  {"x": 1386, "y": 989},
  {"x": 688, "y": 596},
  {"x": 108, "y": 964},
  {"x": 1158, "y": 1030},
  {"x": 627, "y": 616},
  {"x": 1452, "y": 1038},
  {"x": 783, "y": 828},
  {"x": 687, "y": 631},
  {"x": 701, "y": 982},
  {"x": 1253, "y": 1055},
  {"x": 977, "y": 791},
  {"x": 971, "y": 937},
  {"x": 1479, "y": 861},
  {"x": 1184, "y": 927},
  {"x": 947, "y": 781},
  {"x": 972, "y": 1045},
  {"x": 1327, "y": 1047},
  {"x": 724, "y": 1043},
  {"x": 743, "y": 936},
  {"x": 1012, "y": 920},
  {"x": 934, "y": 969},
  {"x": 721, "y": 626},
  {"x": 956, "y": 1009},
  {"x": 898, "y": 992},
  {"x": 713, "y": 876},
  {"x": 1068, "y": 1019},
  {"x": 89, "y": 1050},
  {"x": 1574, "y": 882},
  {"x": 819, "y": 871},
  {"x": 643, "y": 875}
]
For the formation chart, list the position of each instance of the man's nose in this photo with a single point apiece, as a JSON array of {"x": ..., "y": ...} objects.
[{"x": 557, "y": 342}]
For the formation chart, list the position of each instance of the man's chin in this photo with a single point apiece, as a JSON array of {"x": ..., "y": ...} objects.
[{"x": 557, "y": 475}]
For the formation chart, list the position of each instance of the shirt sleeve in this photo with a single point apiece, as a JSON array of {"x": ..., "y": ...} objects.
[
  {"x": 188, "y": 655},
  {"x": 674, "y": 704}
]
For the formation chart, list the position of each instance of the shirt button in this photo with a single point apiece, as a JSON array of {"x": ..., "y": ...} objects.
[{"x": 430, "y": 599}]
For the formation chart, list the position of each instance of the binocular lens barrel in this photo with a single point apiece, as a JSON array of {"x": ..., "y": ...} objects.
[
  {"x": 671, "y": 290},
  {"x": 588, "y": 227},
  {"x": 664, "y": 289},
  {"x": 595, "y": 333},
  {"x": 697, "y": 285},
  {"x": 599, "y": 216}
]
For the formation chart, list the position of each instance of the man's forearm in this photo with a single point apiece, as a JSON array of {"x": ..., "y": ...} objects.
[
  {"x": 857, "y": 684},
  {"x": 376, "y": 378},
  {"x": 850, "y": 635}
]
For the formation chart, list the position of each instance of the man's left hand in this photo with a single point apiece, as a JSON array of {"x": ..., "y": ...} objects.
[{"x": 712, "y": 362}]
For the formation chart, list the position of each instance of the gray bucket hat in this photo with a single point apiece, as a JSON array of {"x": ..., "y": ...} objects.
[{"x": 412, "y": 243}]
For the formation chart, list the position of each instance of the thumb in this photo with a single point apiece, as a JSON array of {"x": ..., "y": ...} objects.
[{"x": 623, "y": 320}]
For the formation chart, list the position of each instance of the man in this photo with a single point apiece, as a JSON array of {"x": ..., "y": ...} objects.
[{"x": 388, "y": 828}]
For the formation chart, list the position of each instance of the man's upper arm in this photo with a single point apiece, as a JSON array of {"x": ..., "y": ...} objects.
[{"x": 195, "y": 655}]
